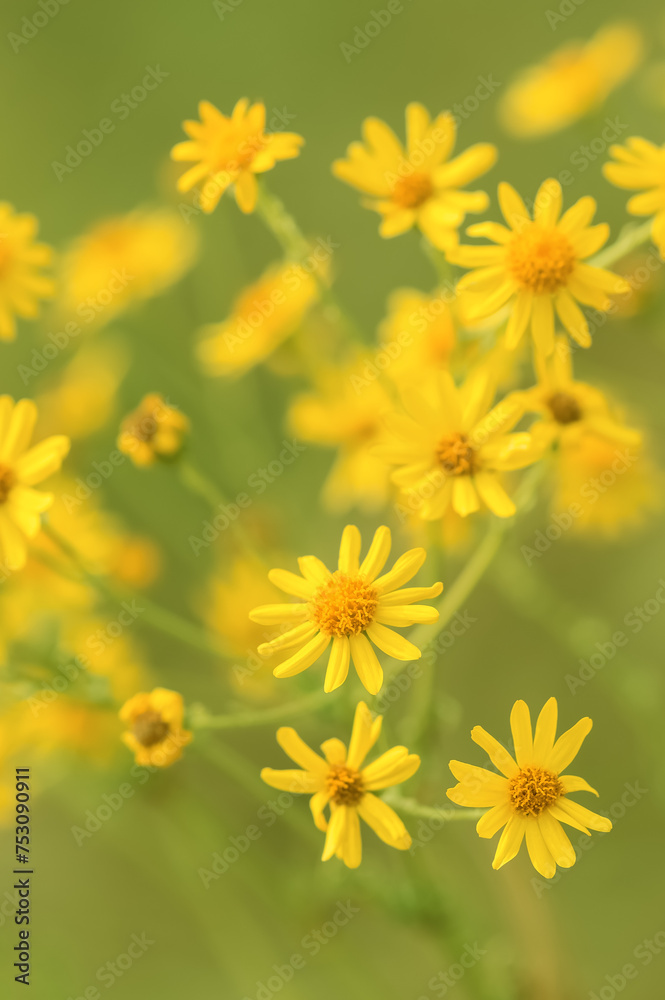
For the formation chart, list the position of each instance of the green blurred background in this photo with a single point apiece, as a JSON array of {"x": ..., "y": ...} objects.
[{"x": 416, "y": 914}]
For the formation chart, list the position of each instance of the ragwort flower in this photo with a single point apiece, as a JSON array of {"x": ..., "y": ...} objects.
[
  {"x": 155, "y": 734},
  {"x": 21, "y": 282}
]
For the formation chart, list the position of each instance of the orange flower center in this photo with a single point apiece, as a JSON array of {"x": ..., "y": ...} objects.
[
  {"x": 540, "y": 260},
  {"x": 412, "y": 191},
  {"x": 345, "y": 605},
  {"x": 150, "y": 728},
  {"x": 456, "y": 456},
  {"x": 534, "y": 789},
  {"x": 7, "y": 481},
  {"x": 565, "y": 408},
  {"x": 345, "y": 785}
]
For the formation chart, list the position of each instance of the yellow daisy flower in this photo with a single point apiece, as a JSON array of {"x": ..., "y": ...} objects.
[
  {"x": 155, "y": 734},
  {"x": 122, "y": 261},
  {"x": 231, "y": 151},
  {"x": 538, "y": 265},
  {"x": 451, "y": 447},
  {"x": 346, "y": 413},
  {"x": 417, "y": 185},
  {"x": 640, "y": 166},
  {"x": 571, "y": 82},
  {"x": 569, "y": 408},
  {"x": 417, "y": 334},
  {"x": 154, "y": 430},
  {"x": 21, "y": 282},
  {"x": 341, "y": 782},
  {"x": 263, "y": 316},
  {"x": 350, "y": 608},
  {"x": 21, "y": 468},
  {"x": 530, "y": 797}
]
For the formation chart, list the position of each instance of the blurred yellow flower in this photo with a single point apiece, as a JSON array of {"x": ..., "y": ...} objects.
[
  {"x": 607, "y": 484},
  {"x": 341, "y": 782},
  {"x": 122, "y": 261},
  {"x": 154, "y": 430},
  {"x": 21, "y": 282},
  {"x": 417, "y": 185},
  {"x": 538, "y": 265},
  {"x": 21, "y": 468},
  {"x": 346, "y": 413},
  {"x": 262, "y": 317},
  {"x": 82, "y": 400},
  {"x": 569, "y": 408},
  {"x": 571, "y": 82},
  {"x": 348, "y": 608},
  {"x": 418, "y": 333},
  {"x": 231, "y": 151},
  {"x": 640, "y": 166},
  {"x": 450, "y": 447},
  {"x": 530, "y": 796},
  {"x": 65, "y": 725},
  {"x": 155, "y": 734}
]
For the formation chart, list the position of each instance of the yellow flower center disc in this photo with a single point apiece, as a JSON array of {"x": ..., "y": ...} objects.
[
  {"x": 345, "y": 605},
  {"x": 345, "y": 785},
  {"x": 413, "y": 190},
  {"x": 456, "y": 456},
  {"x": 533, "y": 789},
  {"x": 540, "y": 260}
]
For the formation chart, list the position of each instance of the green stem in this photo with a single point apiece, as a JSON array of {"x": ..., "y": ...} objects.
[
  {"x": 288, "y": 234},
  {"x": 413, "y": 808},
  {"x": 199, "y": 718},
  {"x": 155, "y": 615},
  {"x": 631, "y": 238}
]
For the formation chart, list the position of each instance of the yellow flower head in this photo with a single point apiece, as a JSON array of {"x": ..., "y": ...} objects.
[
  {"x": 530, "y": 796},
  {"x": 263, "y": 316},
  {"x": 569, "y": 408},
  {"x": 450, "y": 447},
  {"x": 346, "y": 413},
  {"x": 418, "y": 334},
  {"x": 341, "y": 782},
  {"x": 417, "y": 185},
  {"x": 124, "y": 260},
  {"x": 21, "y": 468},
  {"x": 640, "y": 166},
  {"x": 231, "y": 151},
  {"x": 348, "y": 608},
  {"x": 573, "y": 81},
  {"x": 155, "y": 734},
  {"x": 538, "y": 266},
  {"x": 21, "y": 259},
  {"x": 154, "y": 430}
]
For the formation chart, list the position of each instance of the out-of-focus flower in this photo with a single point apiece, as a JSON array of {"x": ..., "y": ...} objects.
[
  {"x": 418, "y": 185},
  {"x": 450, "y": 447},
  {"x": 569, "y": 408},
  {"x": 530, "y": 796},
  {"x": 124, "y": 260},
  {"x": 262, "y": 317},
  {"x": 22, "y": 283},
  {"x": 417, "y": 335},
  {"x": 640, "y": 166},
  {"x": 154, "y": 430},
  {"x": 21, "y": 468},
  {"x": 341, "y": 782},
  {"x": 154, "y": 727},
  {"x": 231, "y": 151},
  {"x": 346, "y": 413},
  {"x": 82, "y": 400},
  {"x": 609, "y": 485},
  {"x": 538, "y": 265},
  {"x": 65, "y": 725},
  {"x": 571, "y": 82},
  {"x": 231, "y": 596},
  {"x": 349, "y": 608}
]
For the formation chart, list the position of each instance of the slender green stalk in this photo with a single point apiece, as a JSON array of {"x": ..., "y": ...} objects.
[
  {"x": 288, "y": 234},
  {"x": 160, "y": 618},
  {"x": 413, "y": 808},
  {"x": 629, "y": 240},
  {"x": 199, "y": 718}
]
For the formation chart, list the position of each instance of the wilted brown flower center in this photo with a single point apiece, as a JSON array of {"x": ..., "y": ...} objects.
[
  {"x": 7, "y": 481},
  {"x": 565, "y": 408},
  {"x": 150, "y": 728},
  {"x": 345, "y": 785},
  {"x": 533, "y": 789},
  {"x": 345, "y": 605}
]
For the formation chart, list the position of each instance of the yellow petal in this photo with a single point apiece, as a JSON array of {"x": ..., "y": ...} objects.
[
  {"x": 404, "y": 569},
  {"x": 304, "y": 658},
  {"x": 364, "y": 735},
  {"x": 392, "y": 643},
  {"x": 377, "y": 555},
  {"x": 338, "y": 663},
  {"x": 391, "y": 768},
  {"x": 510, "y": 841},
  {"x": 545, "y": 731},
  {"x": 541, "y": 857},
  {"x": 297, "y": 750},
  {"x": 291, "y": 780},
  {"x": 495, "y": 751},
  {"x": 567, "y": 746},
  {"x": 384, "y": 821},
  {"x": 492, "y": 821},
  {"x": 520, "y": 726},
  {"x": 349, "y": 550}
]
